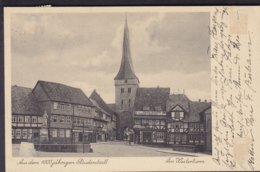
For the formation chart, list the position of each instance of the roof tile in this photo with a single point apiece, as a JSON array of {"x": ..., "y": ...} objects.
[
  {"x": 192, "y": 108},
  {"x": 63, "y": 93},
  {"x": 24, "y": 102},
  {"x": 151, "y": 97}
]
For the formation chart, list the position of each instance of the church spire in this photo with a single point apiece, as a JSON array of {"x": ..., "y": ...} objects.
[{"x": 126, "y": 70}]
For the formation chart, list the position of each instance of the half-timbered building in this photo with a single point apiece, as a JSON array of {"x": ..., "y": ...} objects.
[
  {"x": 70, "y": 112},
  {"x": 62, "y": 114},
  {"x": 150, "y": 115},
  {"x": 108, "y": 115},
  {"x": 27, "y": 116},
  {"x": 52, "y": 112},
  {"x": 57, "y": 113},
  {"x": 185, "y": 123}
]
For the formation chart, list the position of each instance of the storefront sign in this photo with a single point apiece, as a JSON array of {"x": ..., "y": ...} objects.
[{"x": 150, "y": 113}]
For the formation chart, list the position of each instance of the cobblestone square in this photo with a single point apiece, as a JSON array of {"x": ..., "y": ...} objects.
[{"x": 111, "y": 149}]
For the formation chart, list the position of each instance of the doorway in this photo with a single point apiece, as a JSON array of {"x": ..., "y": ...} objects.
[
  {"x": 80, "y": 137},
  {"x": 147, "y": 137}
]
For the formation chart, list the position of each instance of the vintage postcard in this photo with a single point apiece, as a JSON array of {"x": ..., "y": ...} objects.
[{"x": 132, "y": 89}]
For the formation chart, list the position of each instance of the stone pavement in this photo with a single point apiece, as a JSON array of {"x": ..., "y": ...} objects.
[
  {"x": 160, "y": 149},
  {"x": 115, "y": 149}
]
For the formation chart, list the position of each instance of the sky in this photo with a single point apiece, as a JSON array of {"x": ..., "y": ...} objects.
[{"x": 84, "y": 50}]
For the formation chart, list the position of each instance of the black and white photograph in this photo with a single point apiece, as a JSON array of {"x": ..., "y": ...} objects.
[
  {"x": 110, "y": 84},
  {"x": 131, "y": 89}
]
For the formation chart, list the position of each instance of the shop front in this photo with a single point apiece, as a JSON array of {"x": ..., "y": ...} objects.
[
  {"x": 150, "y": 137},
  {"x": 25, "y": 134},
  {"x": 87, "y": 136}
]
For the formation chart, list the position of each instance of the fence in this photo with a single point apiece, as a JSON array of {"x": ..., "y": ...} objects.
[{"x": 63, "y": 147}]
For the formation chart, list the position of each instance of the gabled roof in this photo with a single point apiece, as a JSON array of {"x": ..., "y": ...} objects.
[
  {"x": 192, "y": 108},
  {"x": 151, "y": 97},
  {"x": 97, "y": 106},
  {"x": 126, "y": 70},
  {"x": 177, "y": 108},
  {"x": 24, "y": 102},
  {"x": 100, "y": 102},
  {"x": 196, "y": 108},
  {"x": 178, "y": 99},
  {"x": 63, "y": 93}
]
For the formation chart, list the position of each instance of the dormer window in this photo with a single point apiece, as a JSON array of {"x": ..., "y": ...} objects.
[{"x": 177, "y": 113}]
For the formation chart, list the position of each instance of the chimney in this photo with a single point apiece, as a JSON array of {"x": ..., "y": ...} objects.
[
  {"x": 199, "y": 100},
  {"x": 205, "y": 101}
]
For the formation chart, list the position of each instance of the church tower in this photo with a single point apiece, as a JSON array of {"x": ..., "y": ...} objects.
[{"x": 126, "y": 84}]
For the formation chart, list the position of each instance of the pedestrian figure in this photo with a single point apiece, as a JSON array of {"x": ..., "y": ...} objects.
[{"x": 129, "y": 139}]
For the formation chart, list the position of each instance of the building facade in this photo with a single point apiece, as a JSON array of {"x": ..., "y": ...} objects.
[
  {"x": 150, "y": 115},
  {"x": 173, "y": 120},
  {"x": 206, "y": 118},
  {"x": 185, "y": 124},
  {"x": 27, "y": 116},
  {"x": 107, "y": 114},
  {"x": 56, "y": 113},
  {"x": 70, "y": 112}
]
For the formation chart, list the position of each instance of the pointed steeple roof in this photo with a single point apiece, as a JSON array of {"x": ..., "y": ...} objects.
[{"x": 126, "y": 70}]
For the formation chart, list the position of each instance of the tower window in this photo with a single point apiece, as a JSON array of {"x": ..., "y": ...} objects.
[
  {"x": 122, "y": 104},
  {"x": 122, "y": 90},
  {"x": 126, "y": 81},
  {"x": 129, "y": 102},
  {"x": 129, "y": 90}
]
